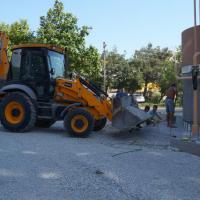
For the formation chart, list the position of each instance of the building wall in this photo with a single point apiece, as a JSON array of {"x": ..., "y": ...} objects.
[{"x": 187, "y": 53}]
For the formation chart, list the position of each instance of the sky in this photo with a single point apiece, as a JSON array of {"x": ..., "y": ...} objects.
[{"x": 127, "y": 25}]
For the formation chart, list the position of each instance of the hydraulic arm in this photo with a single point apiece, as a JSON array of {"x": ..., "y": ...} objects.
[{"x": 83, "y": 92}]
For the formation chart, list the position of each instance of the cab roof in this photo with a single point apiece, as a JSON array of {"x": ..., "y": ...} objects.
[{"x": 48, "y": 46}]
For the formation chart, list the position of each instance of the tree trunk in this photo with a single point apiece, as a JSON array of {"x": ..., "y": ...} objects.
[
  {"x": 145, "y": 89},
  {"x": 161, "y": 96}
]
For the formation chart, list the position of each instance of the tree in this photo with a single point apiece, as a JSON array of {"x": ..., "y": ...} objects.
[
  {"x": 60, "y": 28},
  {"x": 90, "y": 60},
  {"x": 149, "y": 63},
  {"x": 18, "y": 32},
  {"x": 135, "y": 78},
  {"x": 170, "y": 73},
  {"x": 168, "y": 77},
  {"x": 120, "y": 74}
]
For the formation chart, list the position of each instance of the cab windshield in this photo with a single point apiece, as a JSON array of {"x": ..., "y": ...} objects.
[{"x": 56, "y": 63}]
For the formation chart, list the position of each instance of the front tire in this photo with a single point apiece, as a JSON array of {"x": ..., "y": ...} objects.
[
  {"x": 17, "y": 112},
  {"x": 79, "y": 123},
  {"x": 99, "y": 124}
]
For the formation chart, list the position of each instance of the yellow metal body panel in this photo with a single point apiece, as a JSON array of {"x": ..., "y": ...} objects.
[
  {"x": 4, "y": 63},
  {"x": 73, "y": 90}
]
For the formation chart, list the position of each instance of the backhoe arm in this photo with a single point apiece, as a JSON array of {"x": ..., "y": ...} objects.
[
  {"x": 78, "y": 91},
  {"x": 4, "y": 63}
]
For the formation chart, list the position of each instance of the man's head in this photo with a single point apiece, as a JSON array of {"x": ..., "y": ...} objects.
[
  {"x": 155, "y": 107},
  {"x": 173, "y": 85},
  {"x": 147, "y": 108}
]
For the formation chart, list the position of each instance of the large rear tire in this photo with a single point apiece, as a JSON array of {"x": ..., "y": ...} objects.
[
  {"x": 99, "y": 124},
  {"x": 17, "y": 112},
  {"x": 79, "y": 123}
]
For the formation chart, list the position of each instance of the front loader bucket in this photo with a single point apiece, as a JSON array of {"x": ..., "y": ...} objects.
[{"x": 126, "y": 115}]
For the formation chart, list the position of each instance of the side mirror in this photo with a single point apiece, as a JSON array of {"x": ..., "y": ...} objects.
[{"x": 52, "y": 71}]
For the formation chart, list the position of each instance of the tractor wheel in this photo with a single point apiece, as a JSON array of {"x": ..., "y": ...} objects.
[
  {"x": 78, "y": 122},
  {"x": 44, "y": 123},
  {"x": 17, "y": 112},
  {"x": 99, "y": 124}
]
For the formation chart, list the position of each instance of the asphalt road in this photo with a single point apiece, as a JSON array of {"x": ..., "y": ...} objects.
[{"x": 47, "y": 164}]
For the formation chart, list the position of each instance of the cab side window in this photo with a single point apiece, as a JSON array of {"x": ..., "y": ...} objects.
[
  {"x": 33, "y": 65},
  {"x": 15, "y": 63},
  {"x": 34, "y": 71}
]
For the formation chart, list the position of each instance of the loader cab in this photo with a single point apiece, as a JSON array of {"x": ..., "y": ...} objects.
[{"x": 37, "y": 67}]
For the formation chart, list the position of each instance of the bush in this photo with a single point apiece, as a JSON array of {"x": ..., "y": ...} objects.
[{"x": 155, "y": 98}]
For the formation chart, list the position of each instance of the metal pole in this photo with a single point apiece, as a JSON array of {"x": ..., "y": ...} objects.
[
  {"x": 195, "y": 127},
  {"x": 104, "y": 66},
  {"x": 199, "y": 12},
  {"x": 195, "y": 28}
]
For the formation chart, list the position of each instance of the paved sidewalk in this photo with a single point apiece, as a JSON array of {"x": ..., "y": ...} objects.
[{"x": 110, "y": 164}]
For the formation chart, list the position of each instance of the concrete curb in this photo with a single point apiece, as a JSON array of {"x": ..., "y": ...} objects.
[{"x": 186, "y": 146}]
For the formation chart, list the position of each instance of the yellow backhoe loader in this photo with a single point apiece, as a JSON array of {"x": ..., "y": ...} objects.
[{"x": 34, "y": 92}]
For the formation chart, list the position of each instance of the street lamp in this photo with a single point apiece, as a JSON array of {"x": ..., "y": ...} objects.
[{"x": 104, "y": 66}]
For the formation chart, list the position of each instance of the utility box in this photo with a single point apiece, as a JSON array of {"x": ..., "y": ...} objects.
[{"x": 187, "y": 66}]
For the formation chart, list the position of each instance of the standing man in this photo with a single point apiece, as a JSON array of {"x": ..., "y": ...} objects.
[{"x": 171, "y": 94}]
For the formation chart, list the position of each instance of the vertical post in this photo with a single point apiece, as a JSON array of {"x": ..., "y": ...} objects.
[
  {"x": 199, "y": 12},
  {"x": 104, "y": 66},
  {"x": 195, "y": 127},
  {"x": 195, "y": 28}
]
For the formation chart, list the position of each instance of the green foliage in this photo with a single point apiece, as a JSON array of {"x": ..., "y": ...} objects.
[
  {"x": 178, "y": 56},
  {"x": 168, "y": 76},
  {"x": 18, "y": 33},
  {"x": 155, "y": 98},
  {"x": 60, "y": 28},
  {"x": 5, "y": 28},
  {"x": 120, "y": 74},
  {"x": 90, "y": 60},
  {"x": 149, "y": 63}
]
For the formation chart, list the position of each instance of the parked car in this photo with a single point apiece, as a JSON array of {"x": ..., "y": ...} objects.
[
  {"x": 112, "y": 94},
  {"x": 139, "y": 97}
]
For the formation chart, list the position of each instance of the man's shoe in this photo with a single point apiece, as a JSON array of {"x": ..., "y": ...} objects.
[{"x": 174, "y": 136}]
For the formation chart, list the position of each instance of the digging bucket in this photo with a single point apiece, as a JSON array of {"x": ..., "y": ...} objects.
[{"x": 126, "y": 115}]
